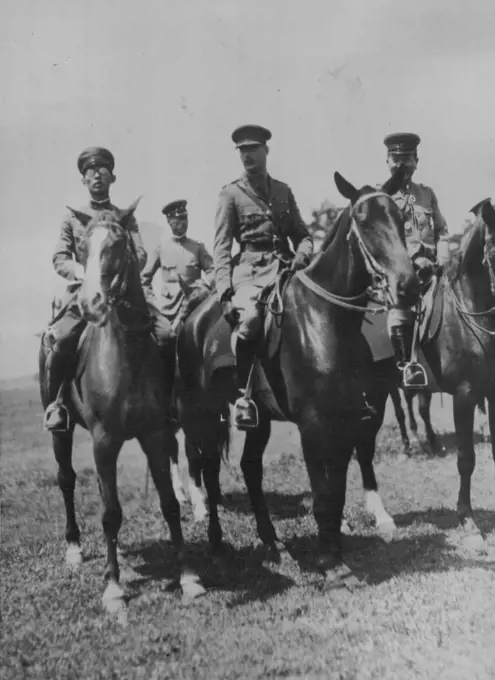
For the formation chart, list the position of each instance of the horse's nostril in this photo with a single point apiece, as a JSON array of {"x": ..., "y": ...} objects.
[{"x": 97, "y": 298}]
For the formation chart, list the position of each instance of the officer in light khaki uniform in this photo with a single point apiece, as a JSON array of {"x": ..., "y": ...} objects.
[
  {"x": 261, "y": 215},
  {"x": 183, "y": 263},
  {"x": 426, "y": 237},
  {"x": 96, "y": 165}
]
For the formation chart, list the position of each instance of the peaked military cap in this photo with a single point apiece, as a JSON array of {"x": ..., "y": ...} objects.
[
  {"x": 95, "y": 156},
  {"x": 175, "y": 208},
  {"x": 250, "y": 135},
  {"x": 402, "y": 142}
]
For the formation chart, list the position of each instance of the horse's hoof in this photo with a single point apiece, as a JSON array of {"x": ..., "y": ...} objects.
[
  {"x": 341, "y": 577},
  {"x": 73, "y": 555},
  {"x": 192, "y": 588},
  {"x": 473, "y": 542},
  {"x": 345, "y": 528},
  {"x": 387, "y": 528},
  {"x": 114, "y": 603}
]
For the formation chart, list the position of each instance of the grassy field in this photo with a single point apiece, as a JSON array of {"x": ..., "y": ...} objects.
[{"x": 427, "y": 610}]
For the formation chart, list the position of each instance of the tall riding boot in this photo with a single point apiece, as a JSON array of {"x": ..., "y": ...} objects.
[
  {"x": 57, "y": 417},
  {"x": 413, "y": 374},
  {"x": 245, "y": 410}
]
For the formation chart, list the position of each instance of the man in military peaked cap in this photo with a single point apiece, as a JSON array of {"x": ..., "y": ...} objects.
[
  {"x": 182, "y": 262},
  {"x": 96, "y": 166},
  {"x": 261, "y": 215},
  {"x": 426, "y": 237}
]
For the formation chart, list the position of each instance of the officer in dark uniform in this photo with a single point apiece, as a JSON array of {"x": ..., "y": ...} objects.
[
  {"x": 426, "y": 237},
  {"x": 183, "y": 263},
  {"x": 261, "y": 215},
  {"x": 96, "y": 166}
]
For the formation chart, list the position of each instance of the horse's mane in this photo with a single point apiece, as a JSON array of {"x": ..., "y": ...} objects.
[
  {"x": 471, "y": 238},
  {"x": 332, "y": 232}
]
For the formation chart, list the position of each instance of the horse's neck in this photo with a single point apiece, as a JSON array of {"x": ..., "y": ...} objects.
[
  {"x": 472, "y": 283},
  {"x": 133, "y": 311}
]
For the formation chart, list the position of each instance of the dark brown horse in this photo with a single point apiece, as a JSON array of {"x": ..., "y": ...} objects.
[
  {"x": 120, "y": 391},
  {"x": 315, "y": 378},
  {"x": 461, "y": 358}
]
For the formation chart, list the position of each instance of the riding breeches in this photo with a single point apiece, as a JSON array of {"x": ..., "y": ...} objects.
[
  {"x": 246, "y": 301},
  {"x": 162, "y": 327}
]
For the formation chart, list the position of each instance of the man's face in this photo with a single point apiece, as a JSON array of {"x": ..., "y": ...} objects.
[
  {"x": 408, "y": 161},
  {"x": 178, "y": 224},
  {"x": 97, "y": 179},
  {"x": 254, "y": 158}
]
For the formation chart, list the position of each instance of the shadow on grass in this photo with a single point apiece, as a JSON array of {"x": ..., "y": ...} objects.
[
  {"x": 375, "y": 561},
  {"x": 280, "y": 505},
  {"x": 243, "y": 572},
  {"x": 445, "y": 519},
  {"x": 446, "y": 444}
]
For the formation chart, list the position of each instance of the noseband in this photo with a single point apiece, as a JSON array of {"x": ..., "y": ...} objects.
[{"x": 377, "y": 273}]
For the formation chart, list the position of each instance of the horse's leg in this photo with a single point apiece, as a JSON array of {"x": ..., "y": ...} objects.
[
  {"x": 211, "y": 458},
  {"x": 196, "y": 491},
  {"x": 252, "y": 469},
  {"x": 401, "y": 419},
  {"x": 365, "y": 451},
  {"x": 175, "y": 472},
  {"x": 156, "y": 445},
  {"x": 327, "y": 472},
  {"x": 413, "y": 425},
  {"x": 464, "y": 407},
  {"x": 62, "y": 447},
  {"x": 424, "y": 406},
  {"x": 106, "y": 451}
]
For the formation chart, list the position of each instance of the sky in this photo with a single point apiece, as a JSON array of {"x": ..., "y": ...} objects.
[{"x": 163, "y": 84}]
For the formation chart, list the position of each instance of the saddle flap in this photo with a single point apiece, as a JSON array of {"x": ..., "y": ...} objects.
[
  {"x": 430, "y": 316},
  {"x": 271, "y": 299}
]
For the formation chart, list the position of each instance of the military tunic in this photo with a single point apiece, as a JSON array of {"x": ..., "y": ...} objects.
[
  {"x": 424, "y": 224},
  {"x": 70, "y": 251},
  {"x": 263, "y": 228},
  {"x": 181, "y": 258}
]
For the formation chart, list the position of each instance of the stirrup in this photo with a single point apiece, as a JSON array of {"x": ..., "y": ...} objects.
[
  {"x": 414, "y": 376},
  {"x": 63, "y": 424},
  {"x": 246, "y": 416}
]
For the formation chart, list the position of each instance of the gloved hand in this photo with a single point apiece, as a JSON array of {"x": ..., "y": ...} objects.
[
  {"x": 299, "y": 262},
  {"x": 230, "y": 313}
]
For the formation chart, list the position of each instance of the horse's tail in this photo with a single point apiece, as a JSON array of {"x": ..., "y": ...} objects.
[{"x": 224, "y": 438}]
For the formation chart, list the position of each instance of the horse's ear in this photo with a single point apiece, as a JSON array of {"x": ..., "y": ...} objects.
[
  {"x": 346, "y": 188},
  {"x": 83, "y": 218},
  {"x": 488, "y": 214},
  {"x": 126, "y": 214},
  {"x": 476, "y": 208},
  {"x": 394, "y": 183}
]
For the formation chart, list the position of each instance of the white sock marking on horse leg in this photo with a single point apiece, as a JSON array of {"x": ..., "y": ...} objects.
[
  {"x": 73, "y": 555},
  {"x": 375, "y": 507},
  {"x": 191, "y": 586}
]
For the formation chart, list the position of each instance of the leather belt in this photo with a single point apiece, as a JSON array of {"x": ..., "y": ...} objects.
[{"x": 252, "y": 246}]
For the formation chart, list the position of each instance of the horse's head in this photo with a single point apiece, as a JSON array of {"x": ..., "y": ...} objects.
[
  {"x": 488, "y": 216},
  {"x": 109, "y": 253},
  {"x": 377, "y": 228}
]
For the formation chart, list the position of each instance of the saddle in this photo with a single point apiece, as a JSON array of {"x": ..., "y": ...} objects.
[
  {"x": 272, "y": 301},
  {"x": 429, "y": 319}
]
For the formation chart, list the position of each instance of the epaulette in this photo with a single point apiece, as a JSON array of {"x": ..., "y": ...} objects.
[
  {"x": 475, "y": 209},
  {"x": 235, "y": 181}
]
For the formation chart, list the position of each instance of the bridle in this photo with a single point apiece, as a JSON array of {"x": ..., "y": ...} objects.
[
  {"x": 377, "y": 273},
  {"x": 465, "y": 314},
  {"x": 117, "y": 291}
]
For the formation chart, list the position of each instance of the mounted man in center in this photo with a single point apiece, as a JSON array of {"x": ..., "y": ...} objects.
[{"x": 261, "y": 215}]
